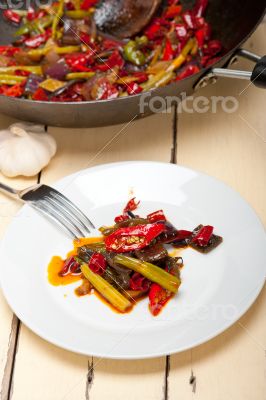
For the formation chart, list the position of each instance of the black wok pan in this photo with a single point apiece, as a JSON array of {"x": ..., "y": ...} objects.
[{"x": 232, "y": 21}]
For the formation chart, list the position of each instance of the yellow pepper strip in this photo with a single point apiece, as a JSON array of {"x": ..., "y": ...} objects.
[
  {"x": 78, "y": 14},
  {"x": 77, "y": 4},
  {"x": 11, "y": 79},
  {"x": 57, "y": 17},
  {"x": 52, "y": 85},
  {"x": 79, "y": 75},
  {"x": 36, "y": 54},
  {"x": 178, "y": 61},
  {"x": 37, "y": 70},
  {"x": 114, "y": 297},
  {"x": 67, "y": 49}
]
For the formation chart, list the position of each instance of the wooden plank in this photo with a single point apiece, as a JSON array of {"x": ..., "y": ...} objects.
[
  {"x": 44, "y": 372},
  {"x": 232, "y": 148},
  {"x": 9, "y": 322}
]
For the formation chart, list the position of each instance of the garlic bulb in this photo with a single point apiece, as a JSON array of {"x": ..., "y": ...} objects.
[{"x": 25, "y": 149}]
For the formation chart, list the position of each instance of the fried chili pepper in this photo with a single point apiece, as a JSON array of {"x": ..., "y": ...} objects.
[
  {"x": 188, "y": 70},
  {"x": 133, "y": 88},
  {"x": 16, "y": 90},
  {"x": 189, "y": 19},
  {"x": 168, "y": 53},
  {"x": 70, "y": 267},
  {"x": 98, "y": 263},
  {"x": 131, "y": 205},
  {"x": 153, "y": 31},
  {"x": 36, "y": 41},
  {"x": 115, "y": 60},
  {"x": 78, "y": 62},
  {"x": 173, "y": 11},
  {"x": 86, "y": 4},
  {"x": 9, "y": 50},
  {"x": 121, "y": 218},
  {"x": 200, "y": 7},
  {"x": 12, "y": 16},
  {"x": 139, "y": 282},
  {"x": 133, "y": 238},
  {"x": 40, "y": 95},
  {"x": 158, "y": 297},
  {"x": 156, "y": 216},
  {"x": 202, "y": 238},
  {"x": 181, "y": 31}
]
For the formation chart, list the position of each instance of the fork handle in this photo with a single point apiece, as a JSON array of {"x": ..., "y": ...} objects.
[{"x": 8, "y": 189}]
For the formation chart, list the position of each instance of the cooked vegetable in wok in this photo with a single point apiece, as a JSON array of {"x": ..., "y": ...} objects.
[
  {"x": 132, "y": 260},
  {"x": 64, "y": 52}
]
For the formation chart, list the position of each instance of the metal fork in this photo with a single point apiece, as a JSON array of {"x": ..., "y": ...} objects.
[{"x": 56, "y": 207}]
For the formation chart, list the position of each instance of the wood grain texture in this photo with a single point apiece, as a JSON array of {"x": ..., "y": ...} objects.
[
  {"x": 45, "y": 372},
  {"x": 232, "y": 148}
]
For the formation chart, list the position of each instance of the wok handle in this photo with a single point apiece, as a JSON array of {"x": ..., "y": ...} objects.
[{"x": 257, "y": 76}]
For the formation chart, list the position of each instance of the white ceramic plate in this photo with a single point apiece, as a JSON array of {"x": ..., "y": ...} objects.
[{"x": 216, "y": 290}]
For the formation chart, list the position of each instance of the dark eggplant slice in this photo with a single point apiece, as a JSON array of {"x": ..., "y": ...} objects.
[
  {"x": 124, "y": 18},
  {"x": 214, "y": 241},
  {"x": 152, "y": 253},
  {"x": 120, "y": 280},
  {"x": 173, "y": 265}
]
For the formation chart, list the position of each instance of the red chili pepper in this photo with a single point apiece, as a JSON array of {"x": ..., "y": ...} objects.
[
  {"x": 31, "y": 15},
  {"x": 16, "y": 90},
  {"x": 97, "y": 263},
  {"x": 203, "y": 34},
  {"x": 156, "y": 216},
  {"x": 86, "y": 4},
  {"x": 202, "y": 238},
  {"x": 133, "y": 237},
  {"x": 158, "y": 297},
  {"x": 189, "y": 19},
  {"x": 120, "y": 218},
  {"x": 40, "y": 95},
  {"x": 36, "y": 41},
  {"x": 131, "y": 205},
  {"x": 141, "y": 77},
  {"x": 181, "y": 31},
  {"x": 85, "y": 38},
  {"x": 78, "y": 62},
  {"x": 173, "y": 11},
  {"x": 200, "y": 7},
  {"x": 153, "y": 31},
  {"x": 115, "y": 60},
  {"x": 168, "y": 52},
  {"x": 111, "y": 44},
  {"x": 213, "y": 47},
  {"x": 105, "y": 90},
  {"x": 12, "y": 16},
  {"x": 189, "y": 70},
  {"x": 133, "y": 88},
  {"x": 70, "y": 267},
  {"x": 9, "y": 50},
  {"x": 139, "y": 282},
  {"x": 182, "y": 234}
]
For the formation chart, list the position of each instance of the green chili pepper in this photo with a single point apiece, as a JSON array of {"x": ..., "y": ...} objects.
[
  {"x": 38, "y": 26},
  {"x": 11, "y": 79},
  {"x": 132, "y": 52},
  {"x": 57, "y": 17}
]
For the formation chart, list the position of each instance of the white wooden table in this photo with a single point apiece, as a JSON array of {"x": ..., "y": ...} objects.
[{"x": 230, "y": 147}]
